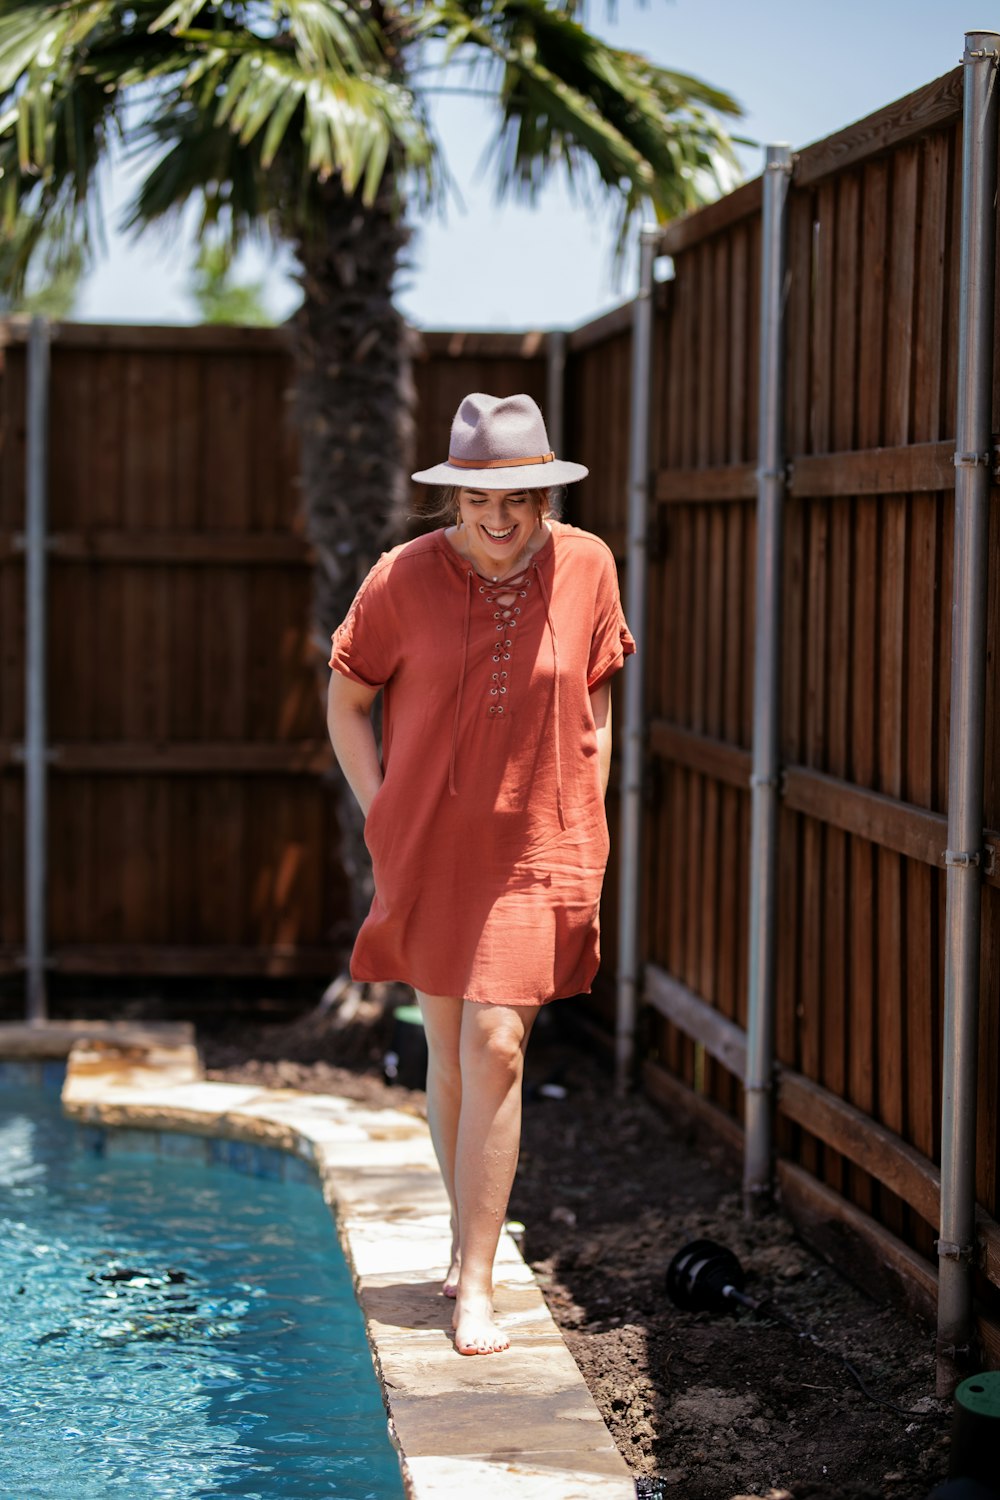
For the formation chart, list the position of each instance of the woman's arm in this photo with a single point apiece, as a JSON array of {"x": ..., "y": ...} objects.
[
  {"x": 600, "y": 701},
  {"x": 352, "y": 735}
]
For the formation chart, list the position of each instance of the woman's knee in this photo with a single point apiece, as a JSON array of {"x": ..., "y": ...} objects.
[{"x": 496, "y": 1049}]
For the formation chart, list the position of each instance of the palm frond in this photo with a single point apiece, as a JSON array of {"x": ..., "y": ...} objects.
[
  {"x": 254, "y": 104},
  {"x": 231, "y": 88},
  {"x": 652, "y": 137}
]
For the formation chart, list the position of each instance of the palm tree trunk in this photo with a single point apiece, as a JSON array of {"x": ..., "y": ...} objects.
[{"x": 353, "y": 405}]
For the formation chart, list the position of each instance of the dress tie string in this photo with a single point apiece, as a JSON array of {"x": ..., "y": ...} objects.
[
  {"x": 461, "y": 683},
  {"x": 543, "y": 587}
]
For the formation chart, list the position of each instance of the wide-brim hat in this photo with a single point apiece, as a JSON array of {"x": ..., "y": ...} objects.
[{"x": 500, "y": 443}]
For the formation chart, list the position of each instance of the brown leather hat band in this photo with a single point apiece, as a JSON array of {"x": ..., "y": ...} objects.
[{"x": 499, "y": 463}]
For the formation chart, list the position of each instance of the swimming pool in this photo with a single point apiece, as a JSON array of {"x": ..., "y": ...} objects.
[{"x": 174, "y": 1329}]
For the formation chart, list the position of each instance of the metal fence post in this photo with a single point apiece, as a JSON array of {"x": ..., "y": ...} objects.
[
  {"x": 35, "y": 730},
  {"x": 555, "y": 389},
  {"x": 759, "y": 1079},
  {"x": 633, "y": 735},
  {"x": 956, "y": 1246}
]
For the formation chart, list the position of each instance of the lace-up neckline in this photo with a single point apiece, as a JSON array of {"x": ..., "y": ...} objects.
[{"x": 504, "y": 596}]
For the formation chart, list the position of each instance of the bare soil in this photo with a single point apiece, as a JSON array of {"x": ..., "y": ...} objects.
[{"x": 704, "y": 1407}]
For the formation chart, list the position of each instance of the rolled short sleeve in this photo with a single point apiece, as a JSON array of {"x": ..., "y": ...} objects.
[
  {"x": 364, "y": 645},
  {"x": 612, "y": 640}
]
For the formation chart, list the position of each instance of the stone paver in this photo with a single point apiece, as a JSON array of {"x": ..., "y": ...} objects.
[{"x": 516, "y": 1426}]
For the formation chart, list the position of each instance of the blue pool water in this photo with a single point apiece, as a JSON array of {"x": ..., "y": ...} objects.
[{"x": 174, "y": 1328}]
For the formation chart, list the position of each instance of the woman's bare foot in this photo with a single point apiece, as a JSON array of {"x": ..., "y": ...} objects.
[{"x": 474, "y": 1322}]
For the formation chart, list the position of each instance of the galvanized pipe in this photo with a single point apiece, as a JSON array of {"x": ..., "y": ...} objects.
[
  {"x": 963, "y": 860},
  {"x": 35, "y": 594},
  {"x": 758, "y": 1166},
  {"x": 555, "y": 389},
  {"x": 633, "y": 734}
]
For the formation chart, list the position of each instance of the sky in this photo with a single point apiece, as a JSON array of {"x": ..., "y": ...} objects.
[{"x": 802, "y": 69}]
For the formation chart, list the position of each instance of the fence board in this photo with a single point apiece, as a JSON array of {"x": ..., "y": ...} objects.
[
  {"x": 181, "y": 660},
  {"x": 870, "y": 369}
]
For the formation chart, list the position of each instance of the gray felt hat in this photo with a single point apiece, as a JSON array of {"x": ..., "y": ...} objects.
[{"x": 500, "y": 443}]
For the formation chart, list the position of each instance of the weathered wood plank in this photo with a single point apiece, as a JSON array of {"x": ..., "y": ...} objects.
[
  {"x": 864, "y": 1250},
  {"x": 701, "y": 753},
  {"x": 148, "y": 958},
  {"x": 706, "y": 486},
  {"x": 608, "y": 326},
  {"x": 690, "y": 229},
  {"x": 721, "y": 1038},
  {"x": 874, "y": 471},
  {"x": 934, "y": 105},
  {"x": 202, "y": 546},
  {"x": 472, "y": 344},
  {"x": 913, "y": 831},
  {"x": 894, "y": 545},
  {"x": 855, "y": 1135},
  {"x": 176, "y": 757},
  {"x": 680, "y": 1102},
  {"x": 891, "y": 470},
  {"x": 144, "y": 337},
  {"x": 879, "y": 1151},
  {"x": 836, "y": 1047},
  {"x": 928, "y": 108}
]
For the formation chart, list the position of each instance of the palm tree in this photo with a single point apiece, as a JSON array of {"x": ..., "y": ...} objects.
[{"x": 306, "y": 121}]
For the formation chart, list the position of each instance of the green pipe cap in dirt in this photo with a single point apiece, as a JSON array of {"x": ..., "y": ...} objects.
[{"x": 980, "y": 1394}]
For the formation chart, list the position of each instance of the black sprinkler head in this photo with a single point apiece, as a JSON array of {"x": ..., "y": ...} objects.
[{"x": 706, "y": 1277}]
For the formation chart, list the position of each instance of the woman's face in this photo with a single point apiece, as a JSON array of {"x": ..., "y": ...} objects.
[{"x": 498, "y": 523}]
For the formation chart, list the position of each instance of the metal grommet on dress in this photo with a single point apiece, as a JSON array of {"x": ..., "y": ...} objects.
[{"x": 502, "y": 594}]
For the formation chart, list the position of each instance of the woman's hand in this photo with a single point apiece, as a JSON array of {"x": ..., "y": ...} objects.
[
  {"x": 600, "y": 703},
  {"x": 352, "y": 735}
]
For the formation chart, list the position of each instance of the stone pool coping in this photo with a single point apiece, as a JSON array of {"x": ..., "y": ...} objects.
[{"x": 521, "y": 1424}]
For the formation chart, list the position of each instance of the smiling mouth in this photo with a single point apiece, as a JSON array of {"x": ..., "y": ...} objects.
[{"x": 500, "y": 536}]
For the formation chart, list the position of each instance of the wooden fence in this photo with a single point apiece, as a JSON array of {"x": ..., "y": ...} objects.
[
  {"x": 192, "y": 823},
  {"x": 870, "y": 375}
]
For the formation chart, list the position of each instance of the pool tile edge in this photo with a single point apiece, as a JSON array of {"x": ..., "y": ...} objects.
[{"x": 522, "y": 1424}]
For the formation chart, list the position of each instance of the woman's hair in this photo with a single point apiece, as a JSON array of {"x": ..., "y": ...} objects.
[{"x": 444, "y": 506}]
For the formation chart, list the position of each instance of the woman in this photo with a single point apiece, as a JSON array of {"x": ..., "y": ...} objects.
[{"x": 494, "y": 640}]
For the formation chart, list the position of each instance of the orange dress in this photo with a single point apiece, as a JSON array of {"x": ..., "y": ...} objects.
[{"x": 488, "y": 836}]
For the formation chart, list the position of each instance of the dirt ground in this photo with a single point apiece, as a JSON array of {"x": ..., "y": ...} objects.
[{"x": 704, "y": 1407}]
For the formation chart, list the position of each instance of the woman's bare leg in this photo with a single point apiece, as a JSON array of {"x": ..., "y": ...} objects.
[
  {"x": 493, "y": 1039},
  {"x": 442, "y": 1026}
]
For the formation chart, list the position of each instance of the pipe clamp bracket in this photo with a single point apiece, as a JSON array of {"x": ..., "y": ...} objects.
[
  {"x": 950, "y": 1250},
  {"x": 772, "y": 781},
  {"x": 781, "y": 475},
  {"x": 974, "y": 460},
  {"x": 977, "y": 54},
  {"x": 962, "y": 859}
]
